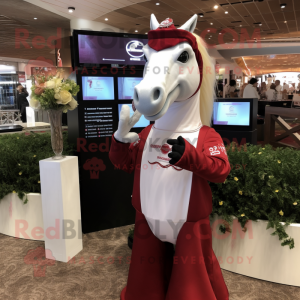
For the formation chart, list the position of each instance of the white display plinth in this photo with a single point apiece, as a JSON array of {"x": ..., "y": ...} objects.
[
  {"x": 257, "y": 253},
  {"x": 30, "y": 116},
  {"x": 61, "y": 207},
  {"x": 24, "y": 221}
]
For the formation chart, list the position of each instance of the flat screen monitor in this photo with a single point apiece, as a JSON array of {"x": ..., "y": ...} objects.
[
  {"x": 235, "y": 114},
  {"x": 231, "y": 113},
  {"x": 143, "y": 122},
  {"x": 126, "y": 87},
  {"x": 97, "y": 88},
  {"x": 108, "y": 48}
]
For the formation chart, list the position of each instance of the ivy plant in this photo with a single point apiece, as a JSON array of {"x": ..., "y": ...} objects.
[
  {"x": 263, "y": 184},
  {"x": 19, "y": 162}
]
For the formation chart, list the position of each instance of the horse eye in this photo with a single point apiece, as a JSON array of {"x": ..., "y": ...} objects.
[{"x": 183, "y": 57}]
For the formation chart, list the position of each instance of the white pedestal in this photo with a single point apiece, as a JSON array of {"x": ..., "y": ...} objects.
[
  {"x": 30, "y": 116},
  {"x": 61, "y": 207},
  {"x": 24, "y": 221}
]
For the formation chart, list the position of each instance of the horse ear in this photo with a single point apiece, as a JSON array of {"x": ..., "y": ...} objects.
[
  {"x": 153, "y": 22},
  {"x": 190, "y": 25}
]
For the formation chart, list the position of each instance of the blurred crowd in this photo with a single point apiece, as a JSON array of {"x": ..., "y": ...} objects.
[{"x": 264, "y": 91}]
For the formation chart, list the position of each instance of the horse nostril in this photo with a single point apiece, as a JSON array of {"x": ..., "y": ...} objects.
[
  {"x": 136, "y": 96},
  {"x": 156, "y": 94}
]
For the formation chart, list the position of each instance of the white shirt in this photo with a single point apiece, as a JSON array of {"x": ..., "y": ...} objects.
[
  {"x": 229, "y": 89},
  {"x": 250, "y": 92},
  {"x": 286, "y": 87},
  {"x": 279, "y": 88},
  {"x": 291, "y": 89},
  {"x": 270, "y": 94}
]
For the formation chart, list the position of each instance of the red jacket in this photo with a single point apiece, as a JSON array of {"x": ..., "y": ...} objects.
[{"x": 208, "y": 162}]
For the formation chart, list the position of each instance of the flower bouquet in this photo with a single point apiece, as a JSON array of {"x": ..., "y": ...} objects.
[{"x": 55, "y": 95}]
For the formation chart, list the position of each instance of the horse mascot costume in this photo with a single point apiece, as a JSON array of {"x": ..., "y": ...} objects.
[{"x": 172, "y": 161}]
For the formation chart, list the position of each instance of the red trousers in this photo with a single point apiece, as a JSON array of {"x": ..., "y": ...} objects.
[{"x": 192, "y": 273}]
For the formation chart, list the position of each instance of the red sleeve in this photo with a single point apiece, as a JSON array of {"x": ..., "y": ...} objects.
[
  {"x": 123, "y": 155},
  {"x": 210, "y": 161}
]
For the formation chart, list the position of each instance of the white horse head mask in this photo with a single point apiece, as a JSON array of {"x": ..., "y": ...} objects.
[{"x": 174, "y": 72}]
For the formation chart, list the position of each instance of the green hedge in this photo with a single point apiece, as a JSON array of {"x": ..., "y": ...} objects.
[
  {"x": 19, "y": 161},
  {"x": 263, "y": 184}
]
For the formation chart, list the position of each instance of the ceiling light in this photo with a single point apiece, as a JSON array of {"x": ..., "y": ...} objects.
[
  {"x": 106, "y": 19},
  {"x": 208, "y": 30},
  {"x": 201, "y": 15},
  {"x": 226, "y": 12},
  {"x": 35, "y": 18},
  {"x": 136, "y": 31},
  {"x": 71, "y": 9},
  {"x": 260, "y": 24},
  {"x": 211, "y": 23},
  {"x": 220, "y": 33},
  {"x": 283, "y": 5},
  {"x": 216, "y": 6},
  {"x": 285, "y": 21},
  {"x": 157, "y": 3}
]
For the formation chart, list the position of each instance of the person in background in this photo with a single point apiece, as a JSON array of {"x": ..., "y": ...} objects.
[
  {"x": 292, "y": 88},
  {"x": 270, "y": 93},
  {"x": 250, "y": 91},
  {"x": 220, "y": 88},
  {"x": 242, "y": 90},
  {"x": 278, "y": 86},
  {"x": 59, "y": 60},
  {"x": 19, "y": 89},
  {"x": 231, "y": 93},
  {"x": 263, "y": 89},
  {"x": 285, "y": 87},
  {"x": 22, "y": 103}
]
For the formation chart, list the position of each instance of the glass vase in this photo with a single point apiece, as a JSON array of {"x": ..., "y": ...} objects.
[{"x": 55, "y": 118}]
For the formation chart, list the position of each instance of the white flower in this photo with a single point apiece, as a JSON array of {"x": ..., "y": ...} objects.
[
  {"x": 54, "y": 83},
  {"x": 57, "y": 81},
  {"x": 63, "y": 97},
  {"x": 50, "y": 84},
  {"x": 34, "y": 103},
  {"x": 73, "y": 104},
  {"x": 67, "y": 86}
]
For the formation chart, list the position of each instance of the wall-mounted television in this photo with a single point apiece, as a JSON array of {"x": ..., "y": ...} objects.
[
  {"x": 126, "y": 87},
  {"x": 97, "y": 88},
  {"x": 143, "y": 122},
  {"x": 95, "y": 48},
  {"x": 235, "y": 114}
]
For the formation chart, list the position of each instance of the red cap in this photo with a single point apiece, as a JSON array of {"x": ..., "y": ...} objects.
[{"x": 169, "y": 36}]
